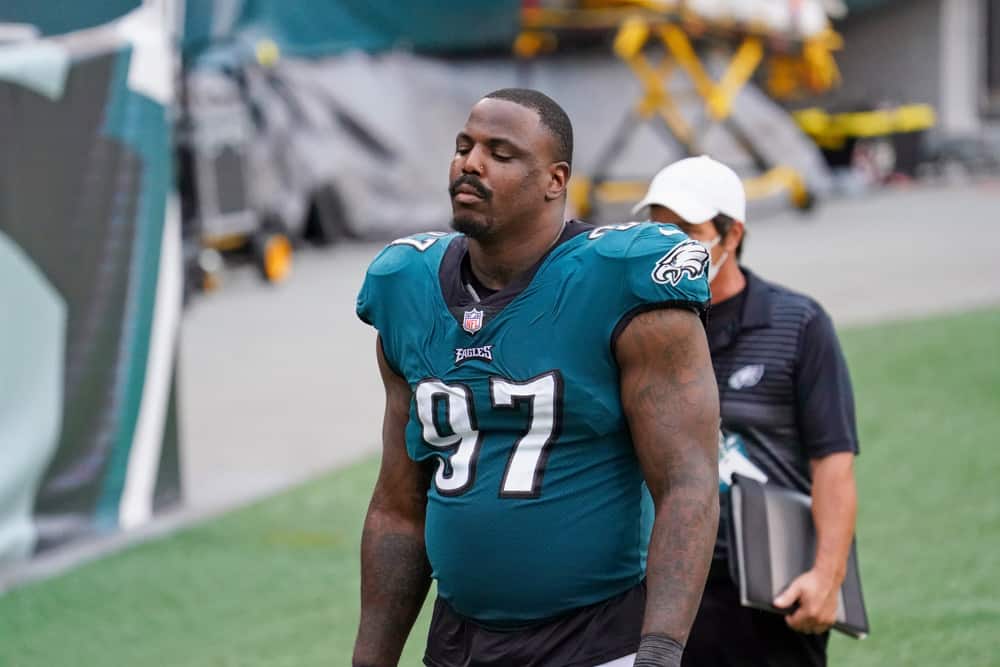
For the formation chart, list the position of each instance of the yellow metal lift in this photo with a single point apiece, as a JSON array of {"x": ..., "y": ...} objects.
[
  {"x": 831, "y": 131},
  {"x": 792, "y": 66}
]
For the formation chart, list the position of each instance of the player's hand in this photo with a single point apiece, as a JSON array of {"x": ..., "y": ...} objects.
[{"x": 816, "y": 594}]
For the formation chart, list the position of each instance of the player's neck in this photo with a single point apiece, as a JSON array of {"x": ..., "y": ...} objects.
[
  {"x": 498, "y": 262},
  {"x": 728, "y": 283}
]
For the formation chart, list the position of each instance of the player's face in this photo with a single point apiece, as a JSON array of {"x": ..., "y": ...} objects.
[{"x": 500, "y": 174}]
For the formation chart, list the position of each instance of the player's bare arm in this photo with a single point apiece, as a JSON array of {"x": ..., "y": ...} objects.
[
  {"x": 835, "y": 502},
  {"x": 670, "y": 398},
  {"x": 395, "y": 574}
]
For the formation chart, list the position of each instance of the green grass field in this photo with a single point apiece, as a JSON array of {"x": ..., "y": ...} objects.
[{"x": 276, "y": 584}]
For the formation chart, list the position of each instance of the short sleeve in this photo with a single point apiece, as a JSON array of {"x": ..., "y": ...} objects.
[
  {"x": 393, "y": 294},
  {"x": 363, "y": 306},
  {"x": 380, "y": 294},
  {"x": 663, "y": 269},
  {"x": 824, "y": 396},
  {"x": 669, "y": 273}
]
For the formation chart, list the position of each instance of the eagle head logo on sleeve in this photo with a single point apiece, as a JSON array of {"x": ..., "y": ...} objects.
[{"x": 688, "y": 257}]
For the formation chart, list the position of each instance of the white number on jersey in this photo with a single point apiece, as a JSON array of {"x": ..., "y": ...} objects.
[
  {"x": 598, "y": 232},
  {"x": 464, "y": 439},
  {"x": 523, "y": 477},
  {"x": 420, "y": 244},
  {"x": 526, "y": 463}
]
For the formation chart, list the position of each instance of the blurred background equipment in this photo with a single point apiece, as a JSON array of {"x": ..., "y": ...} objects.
[
  {"x": 332, "y": 92},
  {"x": 884, "y": 142},
  {"x": 928, "y": 68},
  {"x": 719, "y": 47},
  {"x": 351, "y": 139},
  {"x": 288, "y": 134},
  {"x": 233, "y": 196}
]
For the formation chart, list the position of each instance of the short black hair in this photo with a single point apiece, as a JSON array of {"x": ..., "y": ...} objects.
[{"x": 551, "y": 114}]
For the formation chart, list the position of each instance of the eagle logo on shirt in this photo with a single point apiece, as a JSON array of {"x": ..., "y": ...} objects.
[
  {"x": 746, "y": 377},
  {"x": 688, "y": 257}
]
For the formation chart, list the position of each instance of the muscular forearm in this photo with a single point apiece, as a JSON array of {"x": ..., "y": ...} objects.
[
  {"x": 395, "y": 577},
  {"x": 672, "y": 404},
  {"x": 834, "y": 497},
  {"x": 680, "y": 552}
]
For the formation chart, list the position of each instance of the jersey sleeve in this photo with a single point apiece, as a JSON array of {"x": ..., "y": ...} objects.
[
  {"x": 390, "y": 298},
  {"x": 662, "y": 268},
  {"x": 365, "y": 305},
  {"x": 372, "y": 303},
  {"x": 666, "y": 267}
]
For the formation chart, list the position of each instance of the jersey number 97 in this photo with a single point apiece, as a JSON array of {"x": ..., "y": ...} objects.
[{"x": 456, "y": 473}]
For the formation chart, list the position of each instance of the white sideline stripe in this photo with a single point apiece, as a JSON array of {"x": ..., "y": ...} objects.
[{"x": 144, "y": 457}]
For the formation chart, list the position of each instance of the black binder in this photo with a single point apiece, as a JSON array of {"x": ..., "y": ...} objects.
[{"x": 773, "y": 541}]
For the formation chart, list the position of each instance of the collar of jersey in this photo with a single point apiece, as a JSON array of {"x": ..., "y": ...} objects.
[{"x": 458, "y": 299}]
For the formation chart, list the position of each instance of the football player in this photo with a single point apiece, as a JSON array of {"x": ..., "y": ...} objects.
[{"x": 539, "y": 376}]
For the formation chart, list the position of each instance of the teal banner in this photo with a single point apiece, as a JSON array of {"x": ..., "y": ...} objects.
[
  {"x": 57, "y": 17},
  {"x": 90, "y": 286}
]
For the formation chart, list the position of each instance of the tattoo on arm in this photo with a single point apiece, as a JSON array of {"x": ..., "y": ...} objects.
[
  {"x": 395, "y": 578},
  {"x": 671, "y": 401},
  {"x": 395, "y": 573}
]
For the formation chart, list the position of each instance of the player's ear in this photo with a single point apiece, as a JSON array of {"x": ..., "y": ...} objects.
[{"x": 558, "y": 180}]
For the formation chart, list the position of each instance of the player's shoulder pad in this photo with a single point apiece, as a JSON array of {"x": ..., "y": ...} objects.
[
  {"x": 633, "y": 242},
  {"x": 404, "y": 265},
  {"x": 634, "y": 239},
  {"x": 409, "y": 252},
  {"x": 661, "y": 262}
]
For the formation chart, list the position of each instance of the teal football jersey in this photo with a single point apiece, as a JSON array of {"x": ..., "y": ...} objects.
[{"x": 535, "y": 505}]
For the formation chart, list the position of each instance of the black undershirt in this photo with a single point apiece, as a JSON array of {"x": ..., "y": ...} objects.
[
  {"x": 724, "y": 319},
  {"x": 469, "y": 279}
]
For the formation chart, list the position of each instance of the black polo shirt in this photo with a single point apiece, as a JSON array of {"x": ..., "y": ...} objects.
[{"x": 783, "y": 383}]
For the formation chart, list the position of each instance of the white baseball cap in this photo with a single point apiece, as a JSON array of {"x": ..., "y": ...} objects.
[{"x": 697, "y": 189}]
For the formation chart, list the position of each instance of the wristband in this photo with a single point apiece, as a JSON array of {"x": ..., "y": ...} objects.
[{"x": 657, "y": 650}]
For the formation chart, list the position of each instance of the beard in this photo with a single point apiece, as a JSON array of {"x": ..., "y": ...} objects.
[
  {"x": 478, "y": 229},
  {"x": 476, "y": 226}
]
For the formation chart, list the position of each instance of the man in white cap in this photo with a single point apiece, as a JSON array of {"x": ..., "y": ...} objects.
[{"x": 787, "y": 418}]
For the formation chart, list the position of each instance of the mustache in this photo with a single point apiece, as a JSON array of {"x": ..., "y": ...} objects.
[{"x": 474, "y": 182}]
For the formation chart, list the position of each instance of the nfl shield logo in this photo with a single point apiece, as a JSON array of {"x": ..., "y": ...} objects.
[{"x": 473, "y": 320}]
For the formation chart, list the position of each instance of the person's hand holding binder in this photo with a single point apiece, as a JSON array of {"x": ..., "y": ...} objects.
[
  {"x": 814, "y": 598},
  {"x": 834, "y": 503}
]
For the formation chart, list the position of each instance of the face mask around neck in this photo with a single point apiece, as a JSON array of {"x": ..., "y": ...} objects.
[{"x": 713, "y": 267}]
